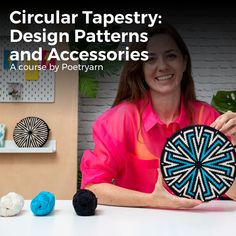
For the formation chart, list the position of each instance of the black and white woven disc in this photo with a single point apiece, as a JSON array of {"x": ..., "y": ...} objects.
[
  {"x": 198, "y": 162},
  {"x": 31, "y": 132}
]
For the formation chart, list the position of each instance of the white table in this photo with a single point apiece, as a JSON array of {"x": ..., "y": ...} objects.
[{"x": 210, "y": 219}]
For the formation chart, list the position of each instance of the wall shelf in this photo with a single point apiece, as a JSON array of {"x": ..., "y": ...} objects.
[{"x": 11, "y": 147}]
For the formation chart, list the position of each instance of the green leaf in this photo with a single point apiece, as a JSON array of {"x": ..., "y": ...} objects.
[
  {"x": 88, "y": 87},
  {"x": 224, "y": 101}
]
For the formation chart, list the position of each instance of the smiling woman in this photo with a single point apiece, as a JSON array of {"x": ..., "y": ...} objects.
[
  {"x": 155, "y": 98},
  {"x": 164, "y": 70}
]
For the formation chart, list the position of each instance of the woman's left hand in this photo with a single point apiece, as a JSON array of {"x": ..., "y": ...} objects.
[
  {"x": 226, "y": 123},
  {"x": 231, "y": 193}
]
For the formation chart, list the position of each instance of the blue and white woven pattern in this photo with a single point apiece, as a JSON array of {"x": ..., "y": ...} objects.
[{"x": 198, "y": 162}]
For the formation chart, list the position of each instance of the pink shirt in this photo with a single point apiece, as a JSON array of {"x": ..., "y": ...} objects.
[{"x": 128, "y": 141}]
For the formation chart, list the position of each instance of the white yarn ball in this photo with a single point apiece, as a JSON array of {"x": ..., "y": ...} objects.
[{"x": 11, "y": 204}]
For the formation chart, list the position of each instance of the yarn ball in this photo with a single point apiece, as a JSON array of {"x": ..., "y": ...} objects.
[
  {"x": 11, "y": 204},
  {"x": 43, "y": 203},
  {"x": 84, "y": 202}
]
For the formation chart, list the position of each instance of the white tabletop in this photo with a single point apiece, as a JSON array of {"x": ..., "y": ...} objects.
[{"x": 210, "y": 219}]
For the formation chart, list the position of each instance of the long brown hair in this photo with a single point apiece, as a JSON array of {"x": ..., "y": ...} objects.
[{"x": 132, "y": 85}]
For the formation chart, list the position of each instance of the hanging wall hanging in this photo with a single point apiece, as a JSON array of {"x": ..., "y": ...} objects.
[{"x": 31, "y": 132}]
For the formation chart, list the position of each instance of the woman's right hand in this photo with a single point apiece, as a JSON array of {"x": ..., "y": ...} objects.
[{"x": 161, "y": 198}]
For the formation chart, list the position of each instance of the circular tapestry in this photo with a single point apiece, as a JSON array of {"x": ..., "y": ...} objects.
[
  {"x": 31, "y": 132},
  {"x": 198, "y": 162}
]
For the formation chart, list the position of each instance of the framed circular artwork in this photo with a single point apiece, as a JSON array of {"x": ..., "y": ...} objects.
[
  {"x": 31, "y": 132},
  {"x": 198, "y": 162}
]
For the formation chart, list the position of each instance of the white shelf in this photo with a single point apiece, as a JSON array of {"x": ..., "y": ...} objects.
[{"x": 11, "y": 147}]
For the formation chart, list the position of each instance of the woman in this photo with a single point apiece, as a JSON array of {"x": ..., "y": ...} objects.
[{"x": 155, "y": 98}]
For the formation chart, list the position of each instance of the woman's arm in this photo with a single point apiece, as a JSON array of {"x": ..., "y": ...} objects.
[{"x": 110, "y": 194}]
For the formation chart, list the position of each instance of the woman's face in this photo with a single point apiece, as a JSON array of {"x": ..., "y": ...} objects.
[{"x": 164, "y": 69}]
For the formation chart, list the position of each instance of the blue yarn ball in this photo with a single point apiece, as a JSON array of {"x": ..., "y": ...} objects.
[{"x": 43, "y": 203}]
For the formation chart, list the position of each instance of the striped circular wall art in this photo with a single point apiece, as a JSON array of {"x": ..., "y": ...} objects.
[{"x": 31, "y": 132}]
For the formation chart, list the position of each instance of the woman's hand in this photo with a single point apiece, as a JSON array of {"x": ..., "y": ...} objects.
[
  {"x": 161, "y": 198},
  {"x": 231, "y": 193},
  {"x": 226, "y": 123}
]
